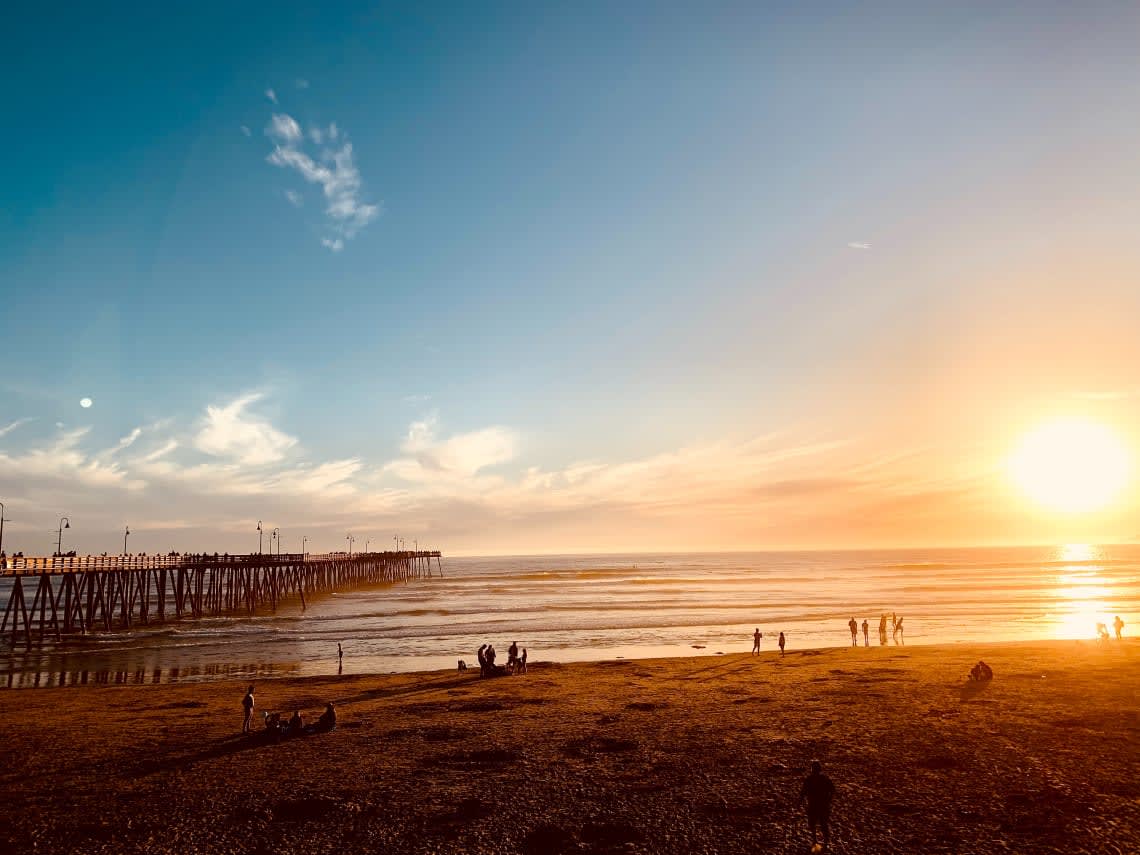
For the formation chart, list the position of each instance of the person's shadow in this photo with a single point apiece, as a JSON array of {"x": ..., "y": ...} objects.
[{"x": 972, "y": 689}]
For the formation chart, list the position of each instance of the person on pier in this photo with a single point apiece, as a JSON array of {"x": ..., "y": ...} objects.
[{"x": 247, "y": 705}]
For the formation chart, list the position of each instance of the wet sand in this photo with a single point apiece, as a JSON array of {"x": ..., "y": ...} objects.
[{"x": 668, "y": 755}]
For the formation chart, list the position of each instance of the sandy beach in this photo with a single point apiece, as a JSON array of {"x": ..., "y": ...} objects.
[{"x": 665, "y": 755}]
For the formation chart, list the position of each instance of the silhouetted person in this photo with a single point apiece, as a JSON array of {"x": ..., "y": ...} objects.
[
  {"x": 781, "y": 644},
  {"x": 327, "y": 721},
  {"x": 854, "y": 627},
  {"x": 898, "y": 628},
  {"x": 247, "y": 706},
  {"x": 756, "y": 636},
  {"x": 1101, "y": 631},
  {"x": 512, "y": 655},
  {"x": 522, "y": 662},
  {"x": 818, "y": 790},
  {"x": 296, "y": 725},
  {"x": 866, "y": 633},
  {"x": 339, "y": 652},
  {"x": 1118, "y": 625},
  {"x": 883, "y": 628},
  {"x": 482, "y": 654}
]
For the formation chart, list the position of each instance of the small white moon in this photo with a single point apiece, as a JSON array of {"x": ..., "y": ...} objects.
[{"x": 85, "y": 402}]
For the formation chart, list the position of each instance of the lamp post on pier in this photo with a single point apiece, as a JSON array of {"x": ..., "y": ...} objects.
[
  {"x": 396, "y": 539},
  {"x": 350, "y": 540},
  {"x": 275, "y": 536},
  {"x": 259, "y": 534},
  {"x": 1, "y": 528},
  {"x": 126, "y": 534},
  {"x": 64, "y": 522},
  {"x": 367, "y": 543},
  {"x": 304, "y": 540}
]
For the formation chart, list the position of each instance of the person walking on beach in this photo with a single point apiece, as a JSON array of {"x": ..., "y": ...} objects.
[
  {"x": 247, "y": 706},
  {"x": 898, "y": 628},
  {"x": 1118, "y": 625},
  {"x": 339, "y": 652},
  {"x": 818, "y": 791},
  {"x": 781, "y": 644},
  {"x": 854, "y": 627},
  {"x": 866, "y": 633},
  {"x": 756, "y": 636}
]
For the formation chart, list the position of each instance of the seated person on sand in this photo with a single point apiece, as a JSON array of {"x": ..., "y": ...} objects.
[
  {"x": 327, "y": 721},
  {"x": 296, "y": 725},
  {"x": 981, "y": 672}
]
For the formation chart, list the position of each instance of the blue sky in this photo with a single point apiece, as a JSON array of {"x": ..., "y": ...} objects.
[{"x": 683, "y": 255}]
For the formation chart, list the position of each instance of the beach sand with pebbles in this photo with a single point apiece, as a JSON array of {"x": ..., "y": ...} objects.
[{"x": 666, "y": 755}]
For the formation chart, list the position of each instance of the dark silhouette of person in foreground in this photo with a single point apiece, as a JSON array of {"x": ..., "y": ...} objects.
[
  {"x": 482, "y": 654},
  {"x": 756, "y": 636},
  {"x": 854, "y": 627},
  {"x": 296, "y": 725},
  {"x": 981, "y": 673},
  {"x": 327, "y": 721},
  {"x": 818, "y": 791},
  {"x": 247, "y": 706},
  {"x": 1118, "y": 625},
  {"x": 781, "y": 644}
]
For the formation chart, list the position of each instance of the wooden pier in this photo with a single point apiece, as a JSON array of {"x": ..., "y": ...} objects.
[{"x": 68, "y": 595}]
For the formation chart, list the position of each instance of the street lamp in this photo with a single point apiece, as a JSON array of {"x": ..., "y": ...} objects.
[
  {"x": 126, "y": 534},
  {"x": 64, "y": 522},
  {"x": 259, "y": 537},
  {"x": 367, "y": 543},
  {"x": 304, "y": 540},
  {"x": 1, "y": 528},
  {"x": 276, "y": 535},
  {"x": 396, "y": 538},
  {"x": 350, "y": 540}
]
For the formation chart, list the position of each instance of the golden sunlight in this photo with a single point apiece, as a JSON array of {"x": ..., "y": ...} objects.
[{"x": 1071, "y": 465}]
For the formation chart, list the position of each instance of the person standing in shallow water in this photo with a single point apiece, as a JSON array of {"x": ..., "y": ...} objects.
[
  {"x": 883, "y": 628},
  {"x": 854, "y": 627},
  {"x": 866, "y": 633},
  {"x": 818, "y": 791},
  {"x": 1118, "y": 625},
  {"x": 247, "y": 706},
  {"x": 756, "y": 636},
  {"x": 781, "y": 644}
]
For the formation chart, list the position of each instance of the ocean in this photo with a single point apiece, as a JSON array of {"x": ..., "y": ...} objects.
[{"x": 594, "y": 607}]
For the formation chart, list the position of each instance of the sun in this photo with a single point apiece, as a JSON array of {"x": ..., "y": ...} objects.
[{"x": 1071, "y": 465}]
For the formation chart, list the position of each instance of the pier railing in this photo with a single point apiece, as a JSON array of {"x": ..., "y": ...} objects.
[{"x": 92, "y": 593}]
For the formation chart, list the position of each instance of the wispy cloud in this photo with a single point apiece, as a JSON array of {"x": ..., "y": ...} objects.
[
  {"x": 294, "y": 198},
  {"x": 231, "y": 431},
  {"x": 7, "y": 429},
  {"x": 459, "y": 457},
  {"x": 271, "y": 95},
  {"x": 302, "y": 83},
  {"x": 858, "y": 245},
  {"x": 246, "y": 131},
  {"x": 333, "y": 169}
]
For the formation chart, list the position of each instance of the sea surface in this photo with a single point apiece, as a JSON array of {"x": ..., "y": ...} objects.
[{"x": 593, "y": 607}]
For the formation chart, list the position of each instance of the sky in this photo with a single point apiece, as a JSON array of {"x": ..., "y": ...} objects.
[{"x": 544, "y": 278}]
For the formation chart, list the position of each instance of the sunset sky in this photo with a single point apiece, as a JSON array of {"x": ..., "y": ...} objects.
[{"x": 598, "y": 277}]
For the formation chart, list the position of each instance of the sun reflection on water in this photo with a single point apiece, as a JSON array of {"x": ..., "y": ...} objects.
[{"x": 1081, "y": 593}]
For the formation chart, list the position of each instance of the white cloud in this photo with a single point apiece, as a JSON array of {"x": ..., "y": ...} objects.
[
  {"x": 234, "y": 433},
  {"x": 7, "y": 429},
  {"x": 63, "y": 459},
  {"x": 333, "y": 169},
  {"x": 858, "y": 245},
  {"x": 294, "y": 198},
  {"x": 271, "y": 95},
  {"x": 284, "y": 128},
  {"x": 455, "y": 459},
  {"x": 246, "y": 131}
]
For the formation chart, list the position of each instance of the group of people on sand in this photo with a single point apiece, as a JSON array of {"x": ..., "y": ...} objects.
[
  {"x": 896, "y": 630},
  {"x": 516, "y": 662},
  {"x": 758, "y": 635},
  {"x": 1102, "y": 630},
  {"x": 277, "y": 729}
]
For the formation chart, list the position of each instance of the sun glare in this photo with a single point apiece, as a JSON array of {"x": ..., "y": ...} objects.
[{"x": 1073, "y": 466}]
